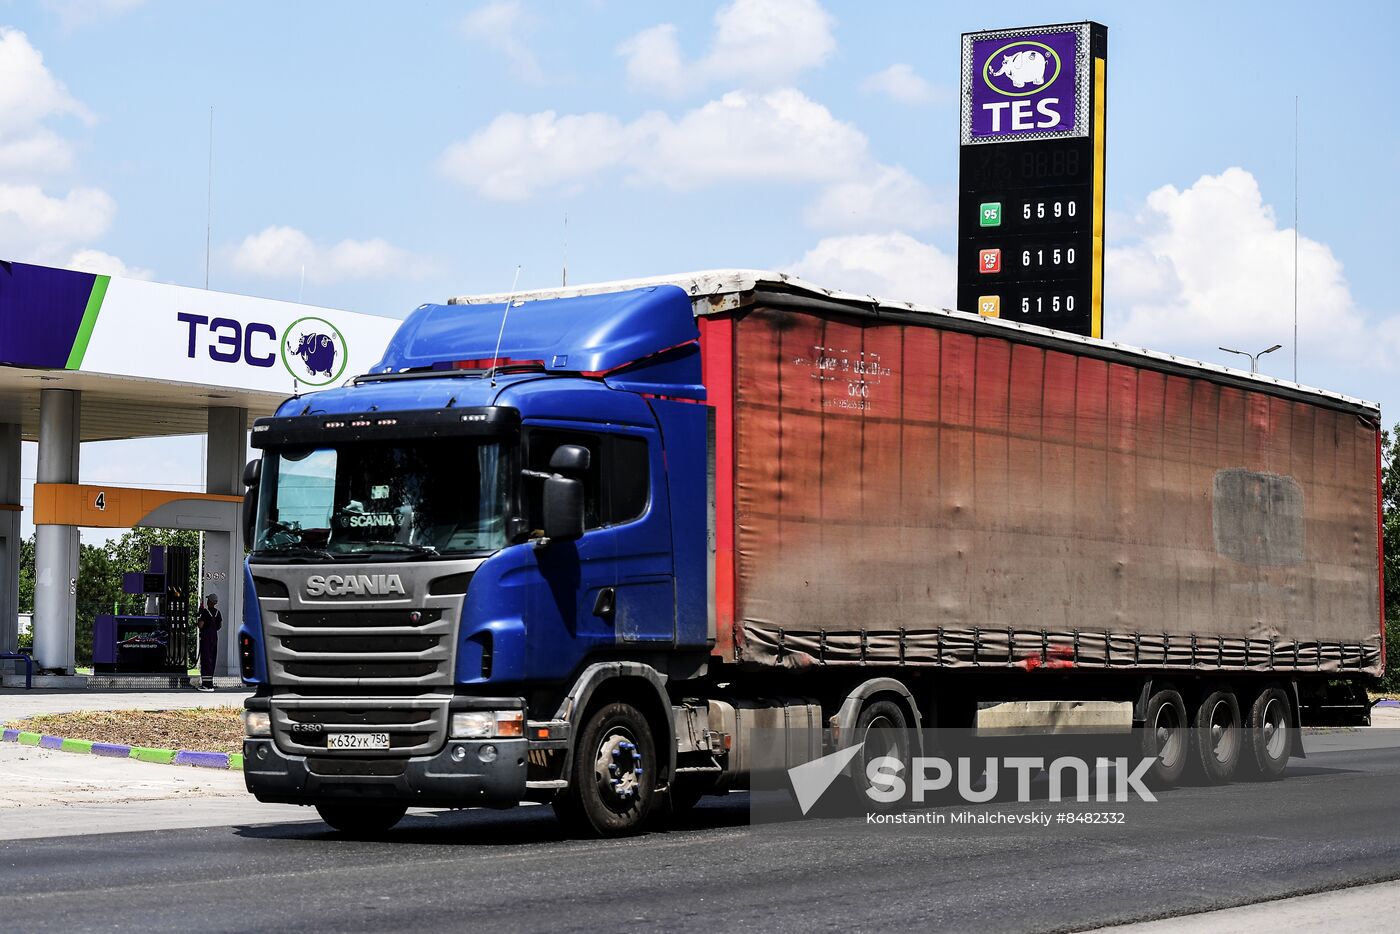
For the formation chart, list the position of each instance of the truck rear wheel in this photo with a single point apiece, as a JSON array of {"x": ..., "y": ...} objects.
[
  {"x": 361, "y": 820},
  {"x": 1165, "y": 737},
  {"x": 1216, "y": 736},
  {"x": 1269, "y": 734},
  {"x": 612, "y": 780}
]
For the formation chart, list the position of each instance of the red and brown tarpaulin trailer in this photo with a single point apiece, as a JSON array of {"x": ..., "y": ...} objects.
[{"x": 929, "y": 488}]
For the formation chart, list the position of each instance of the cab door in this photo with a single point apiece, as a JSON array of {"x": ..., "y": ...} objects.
[
  {"x": 615, "y": 585},
  {"x": 570, "y": 603},
  {"x": 639, "y": 512}
]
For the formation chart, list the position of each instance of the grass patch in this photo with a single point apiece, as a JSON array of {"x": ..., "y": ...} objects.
[{"x": 202, "y": 729}]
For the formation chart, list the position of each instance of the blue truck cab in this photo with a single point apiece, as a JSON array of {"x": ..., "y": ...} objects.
[{"x": 451, "y": 554}]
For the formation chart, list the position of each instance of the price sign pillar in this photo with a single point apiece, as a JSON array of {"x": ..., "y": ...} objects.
[{"x": 1031, "y": 175}]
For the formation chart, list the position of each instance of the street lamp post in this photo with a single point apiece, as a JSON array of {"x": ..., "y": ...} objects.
[{"x": 1253, "y": 357}]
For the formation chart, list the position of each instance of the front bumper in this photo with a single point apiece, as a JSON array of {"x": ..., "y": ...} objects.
[{"x": 448, "y": 779}]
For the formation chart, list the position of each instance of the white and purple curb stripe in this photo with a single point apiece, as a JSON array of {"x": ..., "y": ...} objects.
[{"x": 203, "y": 760}]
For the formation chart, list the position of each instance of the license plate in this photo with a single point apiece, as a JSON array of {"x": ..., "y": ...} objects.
[{"x": 357, "y": 741}]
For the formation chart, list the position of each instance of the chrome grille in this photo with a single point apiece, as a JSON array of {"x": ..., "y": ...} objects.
[
  {"x": 405, "y": 648},
  {"x": 363, "y": 664}
]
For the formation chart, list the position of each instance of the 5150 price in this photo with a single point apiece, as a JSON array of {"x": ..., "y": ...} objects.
[{"x": 1046, "y": 304}]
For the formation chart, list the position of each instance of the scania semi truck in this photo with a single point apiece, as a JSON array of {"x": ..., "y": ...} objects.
[{"x": 597, "y": 546}]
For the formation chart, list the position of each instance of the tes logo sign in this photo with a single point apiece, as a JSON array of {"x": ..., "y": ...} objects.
[{"x": 312, "y": 349}]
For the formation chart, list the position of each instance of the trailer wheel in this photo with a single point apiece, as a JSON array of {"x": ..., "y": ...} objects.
[
  {"x": 1269, "y": 734},
  {"x": 1216, "y": 736},
  {"x": 884, "y": 729},
  {"x": 1165, "y": 737},
  {"x": 613, "y": 778},
  {"x": 361, "y": 820}
]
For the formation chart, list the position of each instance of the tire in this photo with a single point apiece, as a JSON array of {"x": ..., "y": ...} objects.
[
  {"x": 1166, "y": 737},
  {"x": 1217, "y": 737},
  {"x": 361, "y": 820},
  {"x": 612, "y": 781},
  {"x": 1269, "y": 734},
  {"x": 883, "y": 728}
]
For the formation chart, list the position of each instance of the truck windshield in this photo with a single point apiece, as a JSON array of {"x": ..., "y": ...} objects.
[{"x": 426, "y": 497}]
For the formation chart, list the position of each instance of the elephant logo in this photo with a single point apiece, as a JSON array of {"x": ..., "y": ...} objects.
[
  {"x": 313, "y": 351},
  {"x": 1020, "y": 68}
]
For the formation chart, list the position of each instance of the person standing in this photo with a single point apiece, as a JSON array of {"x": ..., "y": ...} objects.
[{"x": 209, "y": 621}]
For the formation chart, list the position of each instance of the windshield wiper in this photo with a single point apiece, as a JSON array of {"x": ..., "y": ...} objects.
[
  {"x": 406, "y": 546},
  {"x": 296, "y": 548}
]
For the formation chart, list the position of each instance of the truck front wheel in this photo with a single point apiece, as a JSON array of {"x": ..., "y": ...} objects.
[
  {"x": 361, "y": 820},
  {"x": 612, "y": 780}
]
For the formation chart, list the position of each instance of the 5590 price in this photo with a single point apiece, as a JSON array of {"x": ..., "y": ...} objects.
[{"x": 1049, "y": 210}]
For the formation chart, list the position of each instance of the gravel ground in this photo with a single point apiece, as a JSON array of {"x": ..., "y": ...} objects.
[{"x": 204, "y": 729}]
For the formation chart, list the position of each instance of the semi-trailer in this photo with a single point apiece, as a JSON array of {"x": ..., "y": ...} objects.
[{"x": 591, "y": 546}]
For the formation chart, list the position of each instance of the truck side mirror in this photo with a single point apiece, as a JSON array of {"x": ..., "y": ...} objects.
[
  {"x": 571, "y": 459},
  {"x": 563, "y": 509},
  {"x": 252, "y": 476}
]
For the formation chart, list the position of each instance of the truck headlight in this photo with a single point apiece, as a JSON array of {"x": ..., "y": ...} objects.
[
  {"x": 257, "y": 723},
  {"x": 483, "y": 724}
]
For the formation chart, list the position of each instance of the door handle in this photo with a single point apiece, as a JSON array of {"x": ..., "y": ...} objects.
[{"x": 605, "y": 606}]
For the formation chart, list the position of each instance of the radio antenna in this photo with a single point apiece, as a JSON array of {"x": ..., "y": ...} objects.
[
  {"x": 1295, "y": 238},
  {"x": 209, "y": 201},
  {"x": 510, "y": 300}
]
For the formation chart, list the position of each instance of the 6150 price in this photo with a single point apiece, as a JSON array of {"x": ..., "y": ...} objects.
[{"x": 1038, "y": 257}]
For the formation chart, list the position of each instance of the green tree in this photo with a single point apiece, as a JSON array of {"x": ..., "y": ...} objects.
[
  {"x": 1390, "y": 541},
  {"x": 99, "y": 591},
  {"x": 100, "y": 572},
  {"x": 26, "y": 575},
  {"x": 132, "y": 552}
]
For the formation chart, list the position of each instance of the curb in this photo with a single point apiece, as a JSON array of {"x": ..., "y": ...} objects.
[{"x": 202, "y": 760}]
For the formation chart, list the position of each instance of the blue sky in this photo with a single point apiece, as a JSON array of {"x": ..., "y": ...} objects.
[{"x": 401, "y": 153}]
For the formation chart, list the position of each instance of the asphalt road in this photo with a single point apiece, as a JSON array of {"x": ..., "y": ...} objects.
[{"x": 1333, "y": 822}]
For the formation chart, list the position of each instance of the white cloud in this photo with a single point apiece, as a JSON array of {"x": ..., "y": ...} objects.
[
  {"x": 36, "y": 226},
  {"x": 106, "y": 264},
  {"x": 39, "y": 227},
  {"x": 279, "y": 252},
  {"x": 655, "y": 62},
  {"x": 891, "y": 266},
  {"x": 1212, "y": 263},
  {"x": 756, "y": 44},
  {"x": 781, "y": 136},
  {"x": 504, "y": 24},
  {"x": 516, "y": 155},
  {"x": 900, "y": 82},
  {"x": 75, "y": 13},
  {"x": 29, "y": 96},
  {"x": 883, "y": 198}
]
